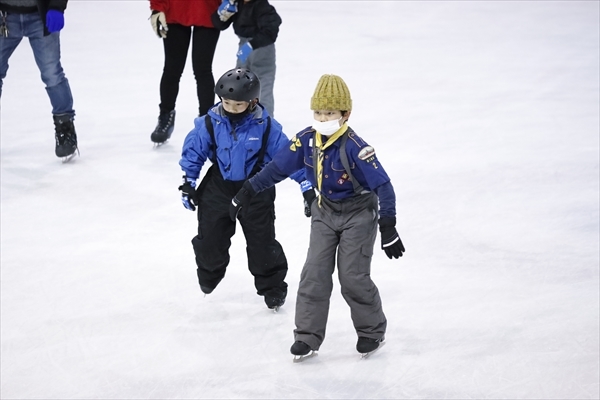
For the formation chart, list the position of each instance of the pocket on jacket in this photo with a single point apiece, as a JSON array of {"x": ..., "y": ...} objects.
[
  {"x": 337, "y": 166},
  {"x": 252, "y": 145},
  {"x": 309, "y": 162}
]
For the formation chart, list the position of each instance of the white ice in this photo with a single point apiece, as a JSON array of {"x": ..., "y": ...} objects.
[{"x": 484, "y": 113}]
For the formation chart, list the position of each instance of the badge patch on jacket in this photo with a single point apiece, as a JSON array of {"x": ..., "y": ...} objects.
[
  {"x": 366, "y": 153},
  {"x": 295, "y": 143},
  {"x": 343, "y": 179}
]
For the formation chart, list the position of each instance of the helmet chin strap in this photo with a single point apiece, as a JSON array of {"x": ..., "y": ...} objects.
[
  {"x": 236, "y": 117},
  {"x": 253, "y": 104}
]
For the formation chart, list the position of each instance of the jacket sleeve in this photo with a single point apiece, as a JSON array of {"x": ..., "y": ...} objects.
[
  {"x": 277, "y": 142},
  {"x": 387, "y": 200},
  {"x": 217, "y": 23},
  {"x": 298, "y": 176},
  {"x": 267, "y": 29},
  {"x": 196, "y": 149},
  {"x": 60, "y": 5},
  {"x": 267, "y": 177},
  {"x": 159, "y": 5}
]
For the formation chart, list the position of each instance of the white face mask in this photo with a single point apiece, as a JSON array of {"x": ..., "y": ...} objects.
[{"x": 327, "y": 128}]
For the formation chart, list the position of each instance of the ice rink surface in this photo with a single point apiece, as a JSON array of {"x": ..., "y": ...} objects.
[{"x": 485, "y": 115}]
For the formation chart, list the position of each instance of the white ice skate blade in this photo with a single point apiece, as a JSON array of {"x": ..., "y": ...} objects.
[
  {"x": 158, "y": 145},
  {"x": 70, "y": 157},
  {"x": 364, "y": 356},
  {"x": 299, "y": 359}
]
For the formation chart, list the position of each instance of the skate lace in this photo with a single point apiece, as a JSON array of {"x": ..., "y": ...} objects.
[
  {"x": 64, "y": 135},
  {"x": 164, "y": 121}
]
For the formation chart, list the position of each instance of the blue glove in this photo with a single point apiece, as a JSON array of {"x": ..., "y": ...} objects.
[
  {"x": 244, "y": 52},
  {"x": 227, "y": 9},
  {"x": 55, "y": 20},
  {"x": 188, "y": 193}
]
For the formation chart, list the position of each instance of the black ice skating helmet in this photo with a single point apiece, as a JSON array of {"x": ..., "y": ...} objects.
[{"x": 238, "y": 84}]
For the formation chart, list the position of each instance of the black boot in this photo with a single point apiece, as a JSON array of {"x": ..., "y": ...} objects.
[
  {"x": 206, "y": 289},
  {"x": 274, "y": 302},
  {"x": 164, "y": 127},
  {"x": 274, "y": 298},
  {"x": 64, "y": 133},
  {"x": 300, "y": 348},
  {"x": 367, "y": 345}
]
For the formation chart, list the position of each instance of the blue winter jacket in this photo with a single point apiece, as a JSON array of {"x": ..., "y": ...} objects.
[
  {"x": 336, "y": 185},
  {"x": 237, "y": 147}
]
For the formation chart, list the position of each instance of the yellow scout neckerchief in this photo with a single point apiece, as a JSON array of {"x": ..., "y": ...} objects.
[{"x": 320, "y": 147}]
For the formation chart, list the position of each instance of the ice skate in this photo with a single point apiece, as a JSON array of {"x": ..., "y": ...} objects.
[
  {"x": 274, "y": 303},
  {"x": 164, "y": 128},
  {"x": 367, "y": 346},
  {"x": 302, "y": 351},
  {"x": 65, "y": 136}
]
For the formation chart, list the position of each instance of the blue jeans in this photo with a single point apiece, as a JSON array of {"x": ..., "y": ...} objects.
[{"x": 46, "y": 50}]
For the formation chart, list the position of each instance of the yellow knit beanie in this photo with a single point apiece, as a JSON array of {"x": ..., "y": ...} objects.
[{"x": 331, "y": 94}]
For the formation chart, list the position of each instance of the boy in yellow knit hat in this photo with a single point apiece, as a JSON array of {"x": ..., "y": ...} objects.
[{"x": 355, "y": 195}]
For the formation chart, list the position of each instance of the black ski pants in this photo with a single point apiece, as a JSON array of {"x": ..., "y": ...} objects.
[
  {"x": 176, "y": 45},
  {"x": 266, "y": 259}
]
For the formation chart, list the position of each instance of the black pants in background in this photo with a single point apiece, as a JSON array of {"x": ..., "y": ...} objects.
[
  {"x": 266, "y": 259},
  {"x": 176, "y": 44}
]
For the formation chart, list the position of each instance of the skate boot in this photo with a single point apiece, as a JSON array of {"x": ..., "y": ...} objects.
[
  {"x": 206, "y": 289},
  {"x": 275, "y": 297},
  {"x": 274, "y": 302},
  {"x": 301, "y": 351},
  {"x": 367, "y": 346},
  {"x": 164, "y": 127},
  {"x": 64, "y": 133}
]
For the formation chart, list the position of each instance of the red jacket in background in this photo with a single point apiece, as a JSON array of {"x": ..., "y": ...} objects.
[{"x": 187, "y": 12}]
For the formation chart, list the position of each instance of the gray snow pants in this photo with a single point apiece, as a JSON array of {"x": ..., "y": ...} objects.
[
  {"x": 350, "y": 228},
  {"x": 261, "y": 61}
]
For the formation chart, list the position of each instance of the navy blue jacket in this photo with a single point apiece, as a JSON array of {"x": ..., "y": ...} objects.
[{"x": 362, "y": 160}]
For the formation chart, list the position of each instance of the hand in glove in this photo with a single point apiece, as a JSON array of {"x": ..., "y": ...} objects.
[
  {"x": 390, "y": 241},
  {"x": 55, "y": 20},
  {"x": 309, "y": 196},
  {"x": 241, "y": 200},
  {"x": 159, "y": 23},
  {"x": 244, "y": 52},
  {"x": 227, "y": 9},
  {"x": 188, "y": 193}
]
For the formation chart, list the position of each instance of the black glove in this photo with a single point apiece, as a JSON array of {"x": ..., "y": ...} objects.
[
  {"x": 188, "y": 193},
  {"x": 390, "y": 241},
  {"x": 241, "y": 200},
  {"x": 309, "y": 197}
]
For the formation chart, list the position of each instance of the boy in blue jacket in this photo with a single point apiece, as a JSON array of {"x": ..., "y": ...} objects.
[
  {"x": 350, "y": 180},
  {"x": 239, "y": 137}
]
